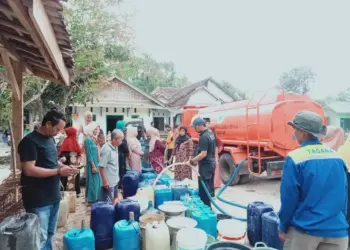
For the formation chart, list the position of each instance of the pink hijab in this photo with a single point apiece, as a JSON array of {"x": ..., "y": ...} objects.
[{"x": 155, "y": 136}]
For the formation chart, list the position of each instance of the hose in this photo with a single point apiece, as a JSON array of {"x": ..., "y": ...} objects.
[{"x": 207, "y": 191}]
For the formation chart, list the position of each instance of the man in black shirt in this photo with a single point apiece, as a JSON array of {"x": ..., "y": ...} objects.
[
  {"x": 41, "y": 171},
  {"x": 205, "y": 159}
]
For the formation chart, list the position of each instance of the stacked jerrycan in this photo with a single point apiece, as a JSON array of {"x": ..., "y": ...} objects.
[
  {"x": 254, "y": 220},
  {"x": 101, "y": 223},
  {"x": 130, "y": 183},
  {"x": 270, "y": 223},
  {"x": 20, "y": 232},
  {"x": 78, "y": 239},
  {"x": 127, "y": 234},
  {"x": 205, "y": 217},
  {"x": 162, "y": 195}
]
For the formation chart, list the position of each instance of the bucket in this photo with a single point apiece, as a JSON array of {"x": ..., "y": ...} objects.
[
  {"x": 177, "y": 223},
  {"x": 191, "y": 238},
  {"x": 262, "y": 246},
  {"x": 224, "y": 245},
  {"x": 148, "y": 219},
  {"x": 232, "y": 230}
]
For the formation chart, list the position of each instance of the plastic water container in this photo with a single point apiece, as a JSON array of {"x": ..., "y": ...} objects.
[
  {"x": 157, "y": 236},
  {"x": 130, "y": 184},
  {"x": 101, "y": 222},
  {"x": 179, "y": 191},
  {"x": 20, "y": 232},
  {"x": 162, "y": 195},
  {"x": 207, "y": 221},
  {"x": 63, "y": 211},
  {"x": 148, "y": 176},
  {"x": 148, "y": 219},
  {"x": 193, "y": 191},
  {"x": 270, "y": 223},
  {"x": 232, "y": 231},
  {"x": 124, "y": 207},
  {"x": 254, "y": 212},
  {"x": 127, "y": 234},
  {"x": 190, "y": 239},
  {"x": 175, "y": 224},
  {"x": 147, "y": 192},
  {"x": 79, "y": 239}
]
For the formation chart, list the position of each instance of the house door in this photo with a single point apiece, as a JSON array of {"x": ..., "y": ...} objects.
[
  {"x": 159, "y": 123},
  {"x": 111, "y": 122}
]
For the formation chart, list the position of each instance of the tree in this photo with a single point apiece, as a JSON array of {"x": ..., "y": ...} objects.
[
  {"x": 344, "y": 96},
  {"x": 231, "y": 90},
  {"x": 297, "y": 80}
]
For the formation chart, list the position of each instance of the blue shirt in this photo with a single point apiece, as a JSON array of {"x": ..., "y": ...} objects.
[{"x": 314, "y": 191}]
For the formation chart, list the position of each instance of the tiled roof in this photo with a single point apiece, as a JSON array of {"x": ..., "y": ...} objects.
[
  {"x": 164, "y": 91},
  {"x": 179, "y": 97}
]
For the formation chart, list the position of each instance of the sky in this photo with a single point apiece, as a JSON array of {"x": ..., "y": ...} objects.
[{"x": 248, "y": 43}]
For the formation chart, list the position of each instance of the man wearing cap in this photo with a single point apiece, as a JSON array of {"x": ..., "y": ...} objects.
[
  {"x": 313, "y": 191},
  {"x": 205, "y": 159}
]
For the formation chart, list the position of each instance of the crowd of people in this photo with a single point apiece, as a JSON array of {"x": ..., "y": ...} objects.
[
  {"x": 314, "y": 187},
  {"x": 52, "y": 165}
]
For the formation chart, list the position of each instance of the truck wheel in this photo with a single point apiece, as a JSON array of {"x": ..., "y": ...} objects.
[{"x": 227, "y": 168}]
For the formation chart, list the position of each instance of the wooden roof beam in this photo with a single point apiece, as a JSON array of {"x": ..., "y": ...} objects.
[
  {"x": 7, "y": 11},
  {"x": 13, "y": 54},
  {"x": 11, "y": 71},
  {"x": 45, "y": 30},
  {"x": 24, "y": 18}
]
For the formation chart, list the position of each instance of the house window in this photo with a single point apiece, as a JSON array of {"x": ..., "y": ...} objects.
[
  {"x": 115, "y": 110},
  {"x": 135, "y": 116},
  {"x": 106, "y": 110},
  {"x": 135, "y": 110},
  {"x": 345, "y": 123},
  {"x": 91, "y": 110},
  {"x": 123, "y": 110},
  {"x": 94, "y": 118}
]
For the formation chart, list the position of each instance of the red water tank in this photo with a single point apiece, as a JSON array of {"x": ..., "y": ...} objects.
[{"x": 262, "y": 120}]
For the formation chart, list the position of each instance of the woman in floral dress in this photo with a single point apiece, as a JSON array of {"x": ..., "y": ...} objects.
[
  {"x": 156, "y": 149},
  {"x": 183, "y": 152}
]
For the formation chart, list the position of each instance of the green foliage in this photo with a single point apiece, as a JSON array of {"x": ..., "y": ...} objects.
[
  {"x": 344, "y": 96},
  {"x": 297, "y": 80}
]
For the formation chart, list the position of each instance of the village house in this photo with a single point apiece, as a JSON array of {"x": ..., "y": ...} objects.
[
  {"x": 338, "y": 114},
  {"x": 120, "y": 100},
  {"x": 205, "y": 92}
]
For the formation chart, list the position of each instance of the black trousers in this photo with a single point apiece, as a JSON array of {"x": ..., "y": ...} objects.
[
  {"x": 209, "y": 183},
  {"x": 169, "y": 153}
]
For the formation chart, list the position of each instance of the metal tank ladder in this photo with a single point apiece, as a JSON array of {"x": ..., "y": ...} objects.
[{"x": 259, "y": 158}]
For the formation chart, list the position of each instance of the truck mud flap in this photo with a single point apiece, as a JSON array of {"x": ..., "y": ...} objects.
[{"x": 274, "y": 169}]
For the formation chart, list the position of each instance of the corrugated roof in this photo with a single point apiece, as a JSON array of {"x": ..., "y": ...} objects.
[{"x": 339, "y": 107}]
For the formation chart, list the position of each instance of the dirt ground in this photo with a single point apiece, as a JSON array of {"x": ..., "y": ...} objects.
[{"x": 256, "y": 190}]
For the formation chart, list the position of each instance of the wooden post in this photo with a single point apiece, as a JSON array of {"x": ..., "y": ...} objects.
[{"x": 17, "y": 110}]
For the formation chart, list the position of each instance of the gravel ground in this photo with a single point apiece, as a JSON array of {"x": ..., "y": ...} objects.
[{"x": 256, "y": 190}]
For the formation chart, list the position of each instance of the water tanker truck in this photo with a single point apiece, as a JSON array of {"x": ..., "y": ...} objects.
[{"x": 253, "y": 129}]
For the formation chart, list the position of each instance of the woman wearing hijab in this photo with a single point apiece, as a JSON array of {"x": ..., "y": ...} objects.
[
  {"x": 123, "y": 153},
  {"x": 135, "y": 150},
  {"x": 156, "y": 149},
  {"x": 183, "y": 153},
  {"x": 70, "y": 151},
  {"x": 92, "y": 149}
]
